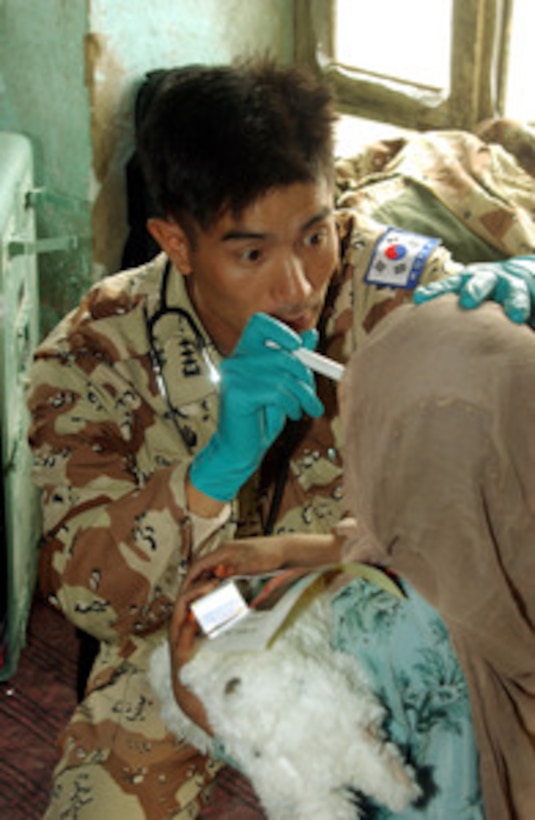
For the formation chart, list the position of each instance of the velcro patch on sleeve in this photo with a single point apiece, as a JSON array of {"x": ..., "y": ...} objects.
[{"x": 399, "y": 259}]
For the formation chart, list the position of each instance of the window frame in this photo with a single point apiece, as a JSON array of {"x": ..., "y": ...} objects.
[{"x": 478, "y": 67}]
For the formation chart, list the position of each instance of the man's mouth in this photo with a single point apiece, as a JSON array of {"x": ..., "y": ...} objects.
[{"x": 304, "y": 320}]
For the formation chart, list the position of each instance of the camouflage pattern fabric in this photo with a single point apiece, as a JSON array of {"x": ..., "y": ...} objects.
[
  {"x": 111, "y": 451},
  {"x": 449, "y": 184}
]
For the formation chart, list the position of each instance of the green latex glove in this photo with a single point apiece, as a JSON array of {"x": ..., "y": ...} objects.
[
  {"x": 510, "y": 283},
  {"x": 261, "y": 387}
]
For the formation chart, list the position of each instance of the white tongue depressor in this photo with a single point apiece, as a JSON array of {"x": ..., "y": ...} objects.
[{"x": 317, "y": 362}]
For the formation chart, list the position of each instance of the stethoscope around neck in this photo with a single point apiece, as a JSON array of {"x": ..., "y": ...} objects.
[
  {"x": 154, "y": 354},
  {"x": 188, "y": 435}
]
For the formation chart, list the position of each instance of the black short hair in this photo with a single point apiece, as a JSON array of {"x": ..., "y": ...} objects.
[{"x": 218, "y": 137}]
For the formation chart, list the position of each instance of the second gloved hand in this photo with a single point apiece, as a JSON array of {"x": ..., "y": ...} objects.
[
  {"x": 510, "y": 283},
  {"x": 262, "y": 385}
]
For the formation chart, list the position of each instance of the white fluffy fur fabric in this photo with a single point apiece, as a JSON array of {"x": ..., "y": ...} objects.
[{"x": 298, "y": 719}]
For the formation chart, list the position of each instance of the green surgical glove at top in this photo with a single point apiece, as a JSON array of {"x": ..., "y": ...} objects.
[
  {"x": 262, "y": 385},
  {"x": 511, "y": 283}
]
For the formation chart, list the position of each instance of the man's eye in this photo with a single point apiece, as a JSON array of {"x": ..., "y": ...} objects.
[
  {"x": 316, "y": 238},
  {"x": 251, "y": 255}
]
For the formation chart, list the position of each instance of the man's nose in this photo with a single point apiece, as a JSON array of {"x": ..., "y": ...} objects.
[{"x": 292, "y": 284}]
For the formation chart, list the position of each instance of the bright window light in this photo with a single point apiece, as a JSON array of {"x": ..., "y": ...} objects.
[
  {"x": 519, "y": 96},
  {"x": 409, "y": 40}
]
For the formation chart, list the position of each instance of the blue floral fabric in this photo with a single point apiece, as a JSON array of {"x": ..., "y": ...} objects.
[{"x": 417, "y": 676}]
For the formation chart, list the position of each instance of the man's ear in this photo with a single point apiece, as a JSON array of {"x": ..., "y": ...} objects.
[{"x": 173, "y": 240}]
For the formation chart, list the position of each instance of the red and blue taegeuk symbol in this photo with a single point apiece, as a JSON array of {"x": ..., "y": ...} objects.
[{"x": 395, "y": 251}]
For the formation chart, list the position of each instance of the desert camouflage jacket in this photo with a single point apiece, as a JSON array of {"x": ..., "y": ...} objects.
[
  {"x": 113, "y": 434},
  {"x": 111, "y": 451}
]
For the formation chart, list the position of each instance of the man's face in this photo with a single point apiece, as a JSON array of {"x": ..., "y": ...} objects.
[{"x": 277, "y": 257}]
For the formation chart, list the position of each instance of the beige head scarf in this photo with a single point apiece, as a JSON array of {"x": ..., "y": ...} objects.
[{"x": 439, "y": 413}]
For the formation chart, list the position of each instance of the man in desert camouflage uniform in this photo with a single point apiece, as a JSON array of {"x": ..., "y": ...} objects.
[{"x": 126, "y": 403}]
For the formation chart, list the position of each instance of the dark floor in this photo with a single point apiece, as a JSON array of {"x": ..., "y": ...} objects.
[{"x": 34, "y": 705}]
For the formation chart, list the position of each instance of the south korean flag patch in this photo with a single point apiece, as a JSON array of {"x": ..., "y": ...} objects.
[{"x": 399, "y": 259}]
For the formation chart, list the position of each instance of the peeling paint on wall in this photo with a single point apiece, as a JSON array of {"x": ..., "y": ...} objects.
[
  {"x": 126, "y": 40},
  {"x": 111, "y": 134},
  {"x": 69, "y": 70}
]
